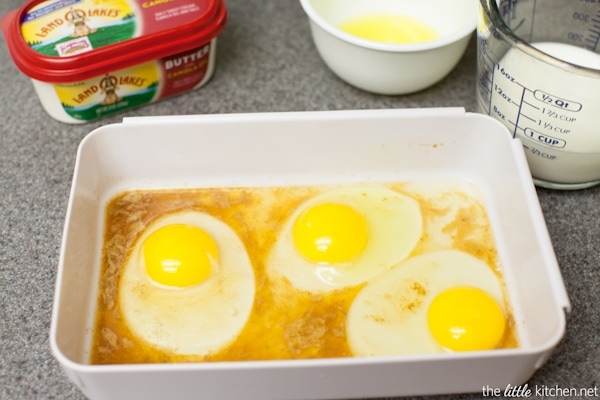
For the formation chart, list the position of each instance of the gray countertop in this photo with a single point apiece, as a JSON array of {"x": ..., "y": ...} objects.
[{"x": 266, "y": 61}]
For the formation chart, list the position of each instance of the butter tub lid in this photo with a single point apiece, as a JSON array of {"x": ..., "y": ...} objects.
[{"x": 64, "y": 41}]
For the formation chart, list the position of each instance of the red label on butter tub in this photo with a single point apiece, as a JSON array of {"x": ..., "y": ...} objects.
[
  {"x": 103, "y": 56},
  {"x": 184, "y": 71}
]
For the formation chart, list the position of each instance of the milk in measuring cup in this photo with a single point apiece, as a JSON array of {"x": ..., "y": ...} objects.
[
  {"x": 539, "y": 74},
  {"x": 562, "y": 142},
  {"x": 573, "y": 54}
]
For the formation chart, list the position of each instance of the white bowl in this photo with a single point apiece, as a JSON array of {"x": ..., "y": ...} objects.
[
  {"x": 386, "y": 68},
  {"x": 304, "y": 148}
]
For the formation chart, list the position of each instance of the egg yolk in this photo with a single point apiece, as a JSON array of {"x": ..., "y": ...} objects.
[
  {"x": 330, "y": 233},
  {"x": 466, "y": 319},
  {"x": 179, "y": 255}
]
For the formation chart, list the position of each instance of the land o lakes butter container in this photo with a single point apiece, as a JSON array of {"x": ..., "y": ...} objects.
[{"x": 89, "y": 58}]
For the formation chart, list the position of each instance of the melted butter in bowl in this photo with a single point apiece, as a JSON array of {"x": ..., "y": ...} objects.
[{"x": 389, "y": 28}]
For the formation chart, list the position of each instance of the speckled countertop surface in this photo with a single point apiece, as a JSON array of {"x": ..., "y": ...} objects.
[{"x": 266, "y": 61}]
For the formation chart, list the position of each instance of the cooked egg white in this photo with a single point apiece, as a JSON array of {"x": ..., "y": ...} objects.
[
  {"x": 344, "y": 237},
  {"x": 436, "y": 302},
  {"x": 188, "y": 285}
]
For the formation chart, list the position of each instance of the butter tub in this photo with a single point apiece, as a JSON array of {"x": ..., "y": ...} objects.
[
  {"x": 295, "y": 149},
  {"x": 89, "y": 59}
]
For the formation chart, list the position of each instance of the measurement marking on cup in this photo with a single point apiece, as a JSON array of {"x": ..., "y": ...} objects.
[
  {"x": 540, "y": 153},
  {"x": 528, "y": 117},
  {"x": 544, "y": 139},
  {"x": 594, "y": 33},
  {"x": 503, "y": 94},
  {"x": 557, "y": 101},
  {"x": 522, "y": 109},
  {"x": 532, "y": 105},
  {"x": 556, "y": 115}
]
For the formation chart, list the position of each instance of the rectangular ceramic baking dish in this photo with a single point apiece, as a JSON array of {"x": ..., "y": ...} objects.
[{"x": 309, "y": 148}]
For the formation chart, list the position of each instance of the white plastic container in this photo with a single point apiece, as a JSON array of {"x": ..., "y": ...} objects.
[
  {"x": 88, "y": 59},
  {"x": 304, "y": 148},
  {"x": 391, "y": 68}
]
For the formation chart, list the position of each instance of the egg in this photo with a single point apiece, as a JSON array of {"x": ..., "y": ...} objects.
[
  {"x": 439, "y": 301},
  {"x": 188, "y": 284},
  {"x": 344, "y": 237}
]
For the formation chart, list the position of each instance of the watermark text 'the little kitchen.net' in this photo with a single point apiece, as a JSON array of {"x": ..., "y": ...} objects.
[{"x": 544, "y": 391}]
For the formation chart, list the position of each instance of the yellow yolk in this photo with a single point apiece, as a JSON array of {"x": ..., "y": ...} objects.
[
  {"x": 179, "y": 255},
  {"x": 465, "y": 319},
  {"x": 389, "y": 28},
  {"x": 330, "y": 233}
]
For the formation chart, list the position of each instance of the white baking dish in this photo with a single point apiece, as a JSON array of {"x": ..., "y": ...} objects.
[{"x": 308, "y": 148}]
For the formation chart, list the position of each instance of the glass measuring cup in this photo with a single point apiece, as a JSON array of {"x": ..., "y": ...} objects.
[{"x": 539, "y": 74}]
